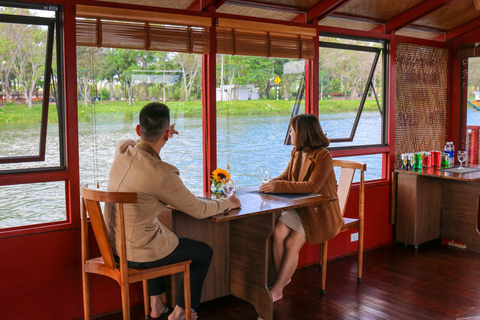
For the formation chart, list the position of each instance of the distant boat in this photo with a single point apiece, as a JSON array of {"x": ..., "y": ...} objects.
[{"x": 475, "y": 104}]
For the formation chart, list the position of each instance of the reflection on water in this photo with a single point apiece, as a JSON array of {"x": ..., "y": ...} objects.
[{"x": 245, "y": 144}]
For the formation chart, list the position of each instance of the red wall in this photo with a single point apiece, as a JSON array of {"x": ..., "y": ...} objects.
[
  {"x": 41, "y": 279},
  {"x": 378, "y": 230}
]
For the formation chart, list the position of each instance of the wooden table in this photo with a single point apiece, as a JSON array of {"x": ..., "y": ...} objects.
[
  {"x": 241, "y": 242},
  {"x": 433, "y": 203}
]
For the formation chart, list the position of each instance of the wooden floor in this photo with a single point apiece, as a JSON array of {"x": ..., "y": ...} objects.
[{"x": 433, "y": 282}]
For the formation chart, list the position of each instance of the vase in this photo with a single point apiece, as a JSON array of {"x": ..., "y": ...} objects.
[{"x": 216, "y": 188}]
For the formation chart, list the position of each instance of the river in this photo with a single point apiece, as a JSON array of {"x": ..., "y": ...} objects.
[{"x": 245, "y": 144}]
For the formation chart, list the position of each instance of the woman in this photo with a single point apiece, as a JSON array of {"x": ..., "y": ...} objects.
[{"x": 310, "y": 170}]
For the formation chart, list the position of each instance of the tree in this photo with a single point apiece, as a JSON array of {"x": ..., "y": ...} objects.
[
  {"x": 190, "y": 64},
  {"x": 29, "y": 64}
]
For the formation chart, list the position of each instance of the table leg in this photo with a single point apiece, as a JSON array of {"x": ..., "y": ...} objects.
[{"x": 249, "y": 257}]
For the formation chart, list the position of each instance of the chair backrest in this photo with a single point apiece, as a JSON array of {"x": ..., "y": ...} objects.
[
  {"x": 91, "y": 203},
  {"x": 347, "y": 171}
]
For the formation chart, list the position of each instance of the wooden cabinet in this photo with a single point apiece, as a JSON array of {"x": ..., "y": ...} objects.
[{"x": 418, "y": 211}]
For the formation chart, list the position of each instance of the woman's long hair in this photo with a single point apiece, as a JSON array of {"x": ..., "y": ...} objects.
[{"x": 309, "y": 133}]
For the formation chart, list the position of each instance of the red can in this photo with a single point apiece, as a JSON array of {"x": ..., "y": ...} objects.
[
  {"x": 436, "y": 158},
  {"x": 427, "y": 160}
]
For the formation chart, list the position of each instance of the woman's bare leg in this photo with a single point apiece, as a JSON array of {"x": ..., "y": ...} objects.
[
  {"x": 280, "y": 233},
  {"x": 293, "y": 244}
]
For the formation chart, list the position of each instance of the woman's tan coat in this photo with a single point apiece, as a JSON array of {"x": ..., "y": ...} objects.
[{"x": 321, "y": 222}]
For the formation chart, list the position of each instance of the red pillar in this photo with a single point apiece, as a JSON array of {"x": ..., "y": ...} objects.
[
  {"x": 311, "y": 78},
  {"x": 209, "y": 110}
]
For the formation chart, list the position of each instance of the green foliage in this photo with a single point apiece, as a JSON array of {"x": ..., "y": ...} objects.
[{"x": 119, "y": 110}]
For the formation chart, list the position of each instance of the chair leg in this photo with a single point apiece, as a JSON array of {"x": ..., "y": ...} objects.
[
  {"x": 86, "y": 295},
  {"x": 186, "y": 288},
  {"x": 360, "y": 255},
  {"x": 146, "y": 299},
  {"x": 125, "y": 301},
  {"x": 324, "y": 266}
]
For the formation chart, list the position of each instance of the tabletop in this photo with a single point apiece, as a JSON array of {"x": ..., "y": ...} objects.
[
  {"x": 255, "y": 203},
  {"x": 468, "y": 173}
]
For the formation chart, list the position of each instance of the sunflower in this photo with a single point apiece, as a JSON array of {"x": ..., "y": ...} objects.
[{"x": 219, "y": 174}]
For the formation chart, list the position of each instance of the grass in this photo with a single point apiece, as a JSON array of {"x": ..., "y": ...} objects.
[{"x": 117, "y": 110}]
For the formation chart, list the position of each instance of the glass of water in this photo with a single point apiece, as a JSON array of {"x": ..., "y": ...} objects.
[
  {"x": 228, "y": 187},
  {"x": 265, "y": 175},
  {"x": 462, "y": 156}
]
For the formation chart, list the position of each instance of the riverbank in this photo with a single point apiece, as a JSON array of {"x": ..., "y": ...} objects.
[{"x": 117, "y": 110}]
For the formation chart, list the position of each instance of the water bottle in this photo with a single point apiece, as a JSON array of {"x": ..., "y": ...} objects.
[
  {"x": 451, "y": 157},
  {"x": 447, "y": 150}
]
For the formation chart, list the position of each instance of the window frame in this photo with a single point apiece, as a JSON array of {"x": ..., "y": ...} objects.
[
  {"x": 54, "y": 30},
  {"x": 384, "y": 53},
  {"x": 56, "y": 173}
]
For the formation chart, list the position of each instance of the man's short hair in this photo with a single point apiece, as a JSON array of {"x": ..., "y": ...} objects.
[{"x": 154, "y": 121}]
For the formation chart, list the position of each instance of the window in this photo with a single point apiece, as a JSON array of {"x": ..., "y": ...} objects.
[
  {"x": 473, "y": 110},
  {"x": 31, "y": 115},
  {"x": 352, "y": 108},
  {"x": 29, "y": 90},
  {"x": 255, "y": 99},
  {"x": 114, "y": 85}
]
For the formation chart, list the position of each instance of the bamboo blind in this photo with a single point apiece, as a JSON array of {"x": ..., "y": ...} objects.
[
  {"x": 421, "y": 99},
  {"x": 264, "y": 44},
  {"x": 144, "y": 36}
]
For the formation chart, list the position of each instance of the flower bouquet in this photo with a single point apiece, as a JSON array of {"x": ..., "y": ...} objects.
[{"x": 219, "y": 176}]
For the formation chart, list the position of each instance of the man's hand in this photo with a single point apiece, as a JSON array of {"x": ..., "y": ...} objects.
[
  {"x": 235, "y": 201},
  {"x": 267, "y": 187},
  {"x": 172, "y": 130}
]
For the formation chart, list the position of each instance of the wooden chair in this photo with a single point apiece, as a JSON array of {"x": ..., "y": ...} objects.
[
  {"x": 106, "y": 265},
  {"x": 347, "y": 172}
]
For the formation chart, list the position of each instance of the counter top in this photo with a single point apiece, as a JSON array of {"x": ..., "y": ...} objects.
[{"x": 472, "y": 172}]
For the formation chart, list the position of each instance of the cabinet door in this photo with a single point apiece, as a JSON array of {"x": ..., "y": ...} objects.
[{"x": 418, "y": 208}]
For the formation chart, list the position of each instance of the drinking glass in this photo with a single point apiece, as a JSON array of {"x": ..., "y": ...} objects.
[
  {"x": 228, "y": 187},
  {"x": 265, "y": 175},
  {"x": 462, "y": 156}
]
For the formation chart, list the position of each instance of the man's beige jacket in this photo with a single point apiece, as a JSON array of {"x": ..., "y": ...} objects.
[{"x": 138, "y": 168}]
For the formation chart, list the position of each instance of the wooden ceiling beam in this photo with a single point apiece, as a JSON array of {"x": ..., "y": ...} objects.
[
  {"x": 203, "y": 5},
  {"x": 323, "y": 9},
  {"x": 464, "y": 28},
  {"x": 264, "y": 5},
  {"x": 413, "y": 14}
]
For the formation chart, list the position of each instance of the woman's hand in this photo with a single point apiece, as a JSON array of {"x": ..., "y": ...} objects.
[
  {"x": 267, "y": 187},
  {"x": 235, "y": 201}
]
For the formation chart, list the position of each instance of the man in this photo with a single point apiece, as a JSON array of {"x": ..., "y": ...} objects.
[{"x": 137, "y": 167}]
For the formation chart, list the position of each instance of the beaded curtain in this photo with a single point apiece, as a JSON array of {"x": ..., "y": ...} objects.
[{"x": 421, "y": 99}]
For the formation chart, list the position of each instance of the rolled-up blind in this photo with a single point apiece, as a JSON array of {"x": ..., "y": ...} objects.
[
  {"x": 133, "y": 29},
  {"x": 265, "y": 40}
]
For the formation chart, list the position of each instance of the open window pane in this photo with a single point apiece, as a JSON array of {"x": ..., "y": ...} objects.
[
  {"x": 115, "y": 84},
  {"x": 29, "y": 91},
  {"x": 351, "y": 92},
  {"x": 255, "y": 99}
]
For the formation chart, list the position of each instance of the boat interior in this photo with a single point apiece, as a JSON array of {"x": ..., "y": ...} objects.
[{"x": 420, "y": 227}]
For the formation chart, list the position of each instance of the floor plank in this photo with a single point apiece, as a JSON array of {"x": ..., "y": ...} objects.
[{"x": 433, "y": 282}]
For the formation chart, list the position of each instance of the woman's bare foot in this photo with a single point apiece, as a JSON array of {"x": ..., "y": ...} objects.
[
  {"x": 179, "y": 314},
  {"x": 277, "y": 291},
  {"x": 276, "y": 295}
]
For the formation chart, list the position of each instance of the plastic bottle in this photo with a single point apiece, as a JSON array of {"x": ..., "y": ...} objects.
[
  {"x": 452, "y": 155},
  {"x": 447, "y": 150}
]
